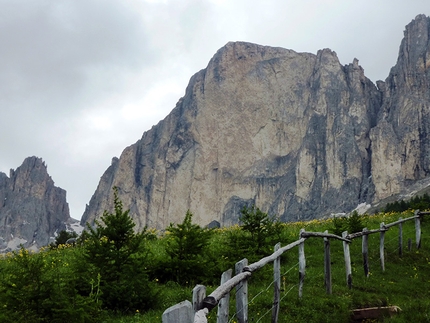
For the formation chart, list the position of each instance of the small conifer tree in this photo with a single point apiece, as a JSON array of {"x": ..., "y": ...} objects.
[
  {"x": 263, "y": 229},
  {"x": 118, "y": 254},
  {"x": 185, "y": 246}
]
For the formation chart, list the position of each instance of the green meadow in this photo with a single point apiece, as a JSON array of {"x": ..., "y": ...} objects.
[{"x": 81, "y": 283}]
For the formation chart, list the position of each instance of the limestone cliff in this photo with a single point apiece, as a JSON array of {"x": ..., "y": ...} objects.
[
  {"x": 32, "y": 209},
  {"x": 400, "y": 141},
  {"x": 297, "y": 134}
]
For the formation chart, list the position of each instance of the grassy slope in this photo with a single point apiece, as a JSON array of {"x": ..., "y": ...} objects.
[{"x": 404, "y": 283}]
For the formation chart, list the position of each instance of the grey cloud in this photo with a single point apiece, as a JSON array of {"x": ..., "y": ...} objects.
[{"x": 51, "y": 49}]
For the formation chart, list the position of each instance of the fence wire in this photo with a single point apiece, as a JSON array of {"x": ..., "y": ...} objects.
[
  {"x": 391, "y": 248},
  {"x": 285, "y": 294},
  {"x": 265, "y": 290}
]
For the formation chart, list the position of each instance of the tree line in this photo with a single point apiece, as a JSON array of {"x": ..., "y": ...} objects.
[{"x": 415, "y": 203}]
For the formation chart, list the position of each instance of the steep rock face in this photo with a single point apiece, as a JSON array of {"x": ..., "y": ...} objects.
[
  {"x": 400, "y": 141},
  {"x": 297, "y": 134},
  {"x": 32, "y": 209},
  {"x": 284, "y": 130}
]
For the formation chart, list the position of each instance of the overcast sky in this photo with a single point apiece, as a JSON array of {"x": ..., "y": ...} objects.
[{"x": 80, "y": 80}]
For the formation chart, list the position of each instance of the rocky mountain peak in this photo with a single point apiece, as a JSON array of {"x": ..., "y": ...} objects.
[
  {"x": 297, "y": 134},
  {"x": 33, "y": 209},
  {"x": 401, "y": 139},
  {"x": 412, "y": 69}
]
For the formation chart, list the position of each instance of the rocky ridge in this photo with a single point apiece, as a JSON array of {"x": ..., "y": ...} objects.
[
  {"x": 297, "y": 134},
  {"x": 32, "y": 209}
]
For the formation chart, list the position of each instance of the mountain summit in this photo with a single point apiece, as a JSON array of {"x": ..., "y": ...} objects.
[
  {"x": 32, "y": 209},
  {"x": 297, "y": 134}
]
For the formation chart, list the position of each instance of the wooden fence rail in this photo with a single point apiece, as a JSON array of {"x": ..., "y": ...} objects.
[{"x": 196, "y": 312}]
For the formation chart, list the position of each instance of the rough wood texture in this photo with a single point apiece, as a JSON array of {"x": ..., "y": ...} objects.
[
  {"x": 347, "y": 257},
  {"x": 242, "y": 294},
  {"x": 182, "y": 312},
  {"x": 365, "y": 252},
  {"x": 327, "y": 265},
  {"x": 276, "y": 285},
  {"x": 307, "y": 234},
  {"x": 400, "y": 238},
  {"x": 399, "y": 221},
  {"x": 302, "y": 265},
  {"x": 382, "y": 247},
  {"x": 418, "y": 229},
  {"x": 201, "y": 316},
  {"x": 199, "y": 293},
  {"x": 212, "y": 300},
  {"x": 264, "y": 261},
  {"x": 362, "y": 233},
  {"x": 223, "y": 304}
]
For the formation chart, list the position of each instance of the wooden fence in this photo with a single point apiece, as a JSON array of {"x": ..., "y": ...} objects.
[{"x": 196, "y": 312}]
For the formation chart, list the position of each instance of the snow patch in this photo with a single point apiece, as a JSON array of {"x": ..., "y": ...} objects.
[
  {"x": 75, "y": 227},
  {"x": 362, "y": 208},
  {"x": 15, "y": 243},
  {"x": 337, "y": 215}
]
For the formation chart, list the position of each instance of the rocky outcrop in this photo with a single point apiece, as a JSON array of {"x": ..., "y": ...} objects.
[
  {"x": 297, "y": 134},
  {"x": 400, "y": 140},
  {"x": 32, "y": 209}
]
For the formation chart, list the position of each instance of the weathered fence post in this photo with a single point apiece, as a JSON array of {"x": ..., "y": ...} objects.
[
  {"x": 242, "y": 294},
  {"x": 199, "y": 293},
  {"x": 327, "y": 264},
  {"x": 347, "y": 260},
  {"x": 400, "y": 238},
  {"x": 418, "y": 228},
  {"x": 182, "y": 312},
  {"x": 365, "y": 251},
  {"x": 302, "y": 264},
  {"x": 223, "y": 305},
  {"x": 381, "y": 245},
  {"x": 201, "y": 316},
  {"x": 276, "y": 285}
]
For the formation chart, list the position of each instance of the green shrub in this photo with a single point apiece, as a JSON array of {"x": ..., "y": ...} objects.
[
  {"x": 185, "y": 246},
  {"x": 263, "y": 230},
  {"x": 119, "y": 256},
  {"x": 353, "y": 223},
  {"x": 340, "y": 224},
  {"x": 41, "y": 287},
  {"x": 62, "y": 237}
]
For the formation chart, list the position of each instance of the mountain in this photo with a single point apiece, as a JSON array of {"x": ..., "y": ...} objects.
[
  {"x": 32, "y": 209},
  {"x": 297, "y": 134}
]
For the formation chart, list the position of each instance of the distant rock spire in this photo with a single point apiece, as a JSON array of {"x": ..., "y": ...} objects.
[{"x": 32, "y": 208}]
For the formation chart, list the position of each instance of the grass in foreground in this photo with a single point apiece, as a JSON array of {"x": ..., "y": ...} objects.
[{"x": 405, "y": 282}]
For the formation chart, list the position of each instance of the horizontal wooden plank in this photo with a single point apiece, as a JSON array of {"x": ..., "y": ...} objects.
[
  {"x": 307, "y": 234},
  {"x": 365, "y": 233},
  {"x": 212, "y": 300},
  {"x": 424, "y": 213},
  {"x": 400, "y": 221},
  {"x": 264, "y": 261}
]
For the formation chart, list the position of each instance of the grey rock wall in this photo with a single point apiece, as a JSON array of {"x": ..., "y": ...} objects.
[
  {"x": 32, "y": 209},
  {"x": 400, "y": 140},
  {"x": 297, "y": 134}
]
